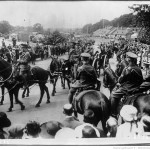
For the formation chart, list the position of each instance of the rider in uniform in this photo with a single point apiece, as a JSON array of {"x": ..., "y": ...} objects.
[
  {"x": 130, "y": 79},
  {"x": 24, "y": 66},
  {"x": 86, "y": 76}
]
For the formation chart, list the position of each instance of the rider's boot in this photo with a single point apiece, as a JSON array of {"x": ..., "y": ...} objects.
[{"x": 114, "y": 107}]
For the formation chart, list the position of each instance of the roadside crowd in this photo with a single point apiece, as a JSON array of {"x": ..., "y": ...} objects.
[{"x": 71, "y": 127}]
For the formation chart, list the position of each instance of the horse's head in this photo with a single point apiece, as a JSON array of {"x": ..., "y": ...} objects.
[{"x": 55, "y": 65}]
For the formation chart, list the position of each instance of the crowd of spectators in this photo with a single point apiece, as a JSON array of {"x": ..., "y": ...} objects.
[{"x": 71, "y": 128}]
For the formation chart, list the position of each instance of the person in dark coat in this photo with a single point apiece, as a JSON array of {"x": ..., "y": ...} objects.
[
  {"x": 130, "y": 79},
  {"x": 84, "y": 73},
  {"x": 70, "y": 121}
]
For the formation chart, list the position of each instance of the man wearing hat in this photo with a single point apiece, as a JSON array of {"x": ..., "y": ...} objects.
[
  {"x": 86, "y": 76},
  {"x": 70, "y": 121},
  {"x": 130, "y": 79}
]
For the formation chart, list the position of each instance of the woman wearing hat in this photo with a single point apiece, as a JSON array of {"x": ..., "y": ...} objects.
[
  {"x": 131, "y": 128},
  {"x": 130, "y": 80}
]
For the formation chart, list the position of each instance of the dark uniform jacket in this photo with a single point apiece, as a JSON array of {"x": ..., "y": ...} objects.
[
  {"x": 87, "y": 75},
  {"x": 131, "y": 78}
]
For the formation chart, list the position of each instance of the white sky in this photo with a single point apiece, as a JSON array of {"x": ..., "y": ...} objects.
[{"x": 62, "y": 14}]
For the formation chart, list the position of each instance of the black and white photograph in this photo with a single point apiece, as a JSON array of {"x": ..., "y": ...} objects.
[{"x": 75, "y": 73}]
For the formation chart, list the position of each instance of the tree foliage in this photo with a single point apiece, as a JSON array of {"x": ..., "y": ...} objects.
[
  {"x": 55, "y": 38},
  {"x": 127, "y": 20},
  {"x": 5, "y": 27},
  {"x": 142, "y": 13},
  {"x": 38, "y": 28}
]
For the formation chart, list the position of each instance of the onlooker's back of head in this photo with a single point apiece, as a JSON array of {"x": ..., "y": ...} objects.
[
  {"x": 16, "y": 131},
  {"x": 33, "y": 129},
  {"x": 49, "y": 129},
  {"x": 88, "y": 132}
]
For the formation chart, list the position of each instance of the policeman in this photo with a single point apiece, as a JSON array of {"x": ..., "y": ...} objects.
[
  {"x": 130, "y": 79},
  {"x": 86, "y": 76}
]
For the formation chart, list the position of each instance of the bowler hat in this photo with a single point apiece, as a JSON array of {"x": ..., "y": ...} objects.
[
  {"x": 4, "y": 121},
  {"x": 49, "y": 129},
  {"x": 128, "y": 113},
  {"x": 131, "y": 55}
]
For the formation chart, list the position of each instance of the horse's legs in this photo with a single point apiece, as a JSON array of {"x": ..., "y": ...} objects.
[
  {"x": 28, "y": 91},
  {"x": 17, "y": 100},
  {"x": 62, "y": 82},
  {"x": 2, "y": 90},
  {"x": 47, "y": 92},
  {"x": 41, "y": 96},
  {"x": 54, "y": 86},
  {"x": 23, "y": 93},
  {"x": 11, "y": 101}
]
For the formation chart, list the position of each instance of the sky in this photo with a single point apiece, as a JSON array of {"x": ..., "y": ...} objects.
[{"x": 62, "y": 14}]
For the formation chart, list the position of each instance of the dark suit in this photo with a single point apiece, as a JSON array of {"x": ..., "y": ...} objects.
[{"x": 71, "y": 122}]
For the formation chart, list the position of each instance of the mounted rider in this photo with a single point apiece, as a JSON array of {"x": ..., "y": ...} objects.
[
  {"x": 130, "y": 79},
  {"x": 86, "y": 76},
  {"x": 23, "y": 63}
]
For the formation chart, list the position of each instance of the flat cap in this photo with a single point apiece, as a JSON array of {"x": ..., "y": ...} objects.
[
  {"x": 132, "y": 55},
  {"x": 85, "y": 55}
]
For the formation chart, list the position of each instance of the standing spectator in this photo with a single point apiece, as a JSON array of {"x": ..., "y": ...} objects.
[
  {"x": 70, "y": 121},
  {"x": 131, "y": 128},
  {"x": 4, "y": 122}
]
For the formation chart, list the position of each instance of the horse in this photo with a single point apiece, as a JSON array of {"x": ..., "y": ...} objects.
[
  {"x": 14, "y": 83},
  {"x": 94, "y": 101},
  {"x": 59, "y": 68}
]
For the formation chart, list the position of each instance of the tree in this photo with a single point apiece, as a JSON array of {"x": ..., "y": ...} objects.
[
  {"x": 38, "y": 28},
  {"x": 55, "y": 38},
  {"x": 142, "y": 13},
  {"x": 5, "y": 27}
]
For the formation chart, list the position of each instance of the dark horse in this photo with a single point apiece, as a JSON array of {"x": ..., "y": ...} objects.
[
  {"x": 13, "y": 84},
  {"x": 59, "y": 69},
  {"x": 95, "y": 101},
  {"x": 139, "y": 100}
]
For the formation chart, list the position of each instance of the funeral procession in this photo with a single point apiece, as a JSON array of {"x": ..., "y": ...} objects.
[{"x": 75, "y": 72}]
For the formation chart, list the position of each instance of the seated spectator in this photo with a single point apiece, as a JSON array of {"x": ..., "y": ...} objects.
[
  {"x": 4, "y": 122},
  {"x": 16, "y": 131},
  {"x": 32, "y": 130},
  {"x": 112, "y": 125},
  {"x": 131, "y": 128},
  {"x": 65, "y": 133},
  {"x": 78, "y": 130},
  {"x": 88, "y": 132},
  {"x": 70, "y": 121},
  {"x": 49, "y": 129}
]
